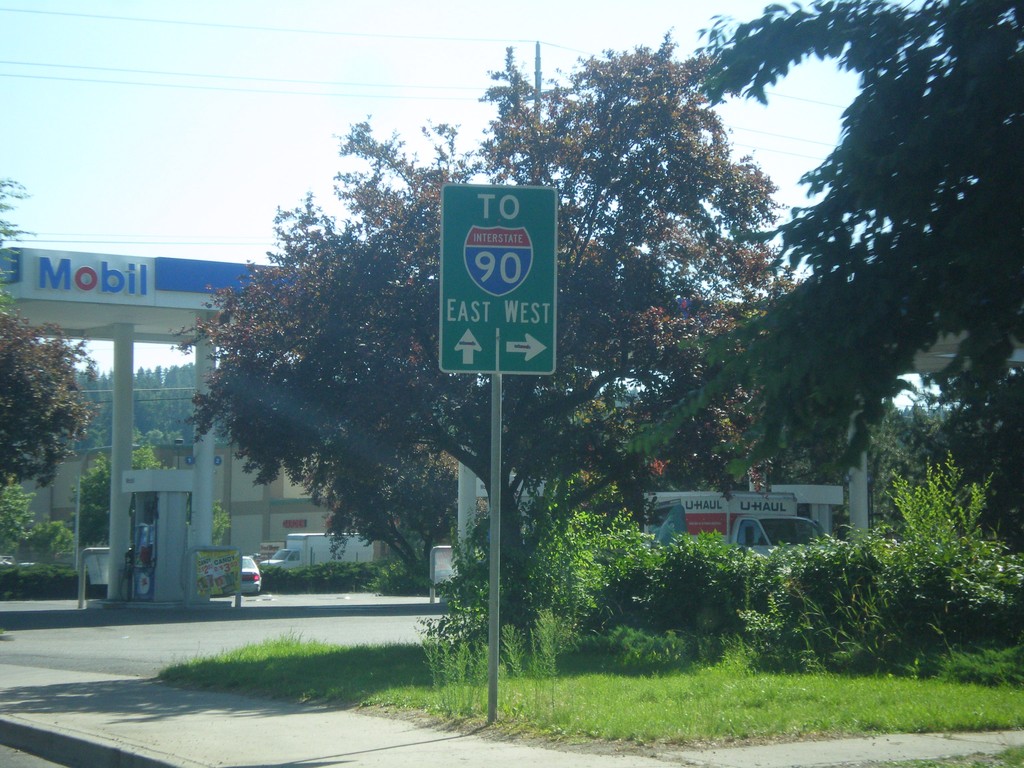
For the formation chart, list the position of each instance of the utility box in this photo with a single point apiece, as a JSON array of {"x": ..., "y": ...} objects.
[
  {"x": 440, "y": 567},
  {"x": 161, "y": 499}
]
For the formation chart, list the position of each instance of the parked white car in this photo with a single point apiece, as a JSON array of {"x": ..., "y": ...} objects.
[{"x": 251, "y": 576}]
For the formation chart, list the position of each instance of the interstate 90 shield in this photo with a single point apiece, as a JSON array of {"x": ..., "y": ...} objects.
[{"x": 498, "y": 259}]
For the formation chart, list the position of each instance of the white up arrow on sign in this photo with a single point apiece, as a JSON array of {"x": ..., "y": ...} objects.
[
  {"x": 469, "y": 346},
  {"x": 530, "y": 347}
]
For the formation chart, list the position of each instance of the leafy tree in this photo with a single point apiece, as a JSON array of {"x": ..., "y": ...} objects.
[
  {"x": 984, "y": 431},
  {"x": 407, "y": 501},
  {"x": 15, "y": 515},
  {"x": 9, "y": 189},
  {"x": 327, "y": 360},
  {"x": 94, "y": 496},
  {"x": 98, "y": 390},
  {"x": 41, "y": 410},
  {"x": 49, "y": 540},
  {"x": 221, "y": 524},
  {"x": 942, "y": 511},
  {"x": 903, "y": 445},
  {"x": 94, "y": 504},
  {"x": 918, "y": 233},
  {"x": 162, "y": 405},
  {"x": 163, "y": 401}
]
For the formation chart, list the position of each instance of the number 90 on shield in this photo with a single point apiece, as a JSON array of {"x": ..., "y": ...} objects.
[{"x": 510, "y": 267}]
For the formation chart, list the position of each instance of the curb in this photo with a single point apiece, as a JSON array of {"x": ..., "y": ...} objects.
[{"x": 81, "y": 749}]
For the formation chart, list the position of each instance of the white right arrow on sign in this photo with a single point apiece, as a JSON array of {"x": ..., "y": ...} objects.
[{"x": 530, "y": 347}]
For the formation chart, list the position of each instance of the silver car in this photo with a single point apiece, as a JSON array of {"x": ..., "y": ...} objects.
[{"x": 251, "y": 577}]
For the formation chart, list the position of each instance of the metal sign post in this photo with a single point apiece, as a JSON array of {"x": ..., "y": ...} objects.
[
  {"x": 494, "y": 571},
  {"x": 498, "y": 314}
]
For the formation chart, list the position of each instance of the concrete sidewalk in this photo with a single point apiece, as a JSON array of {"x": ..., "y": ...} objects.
[{"x": 100, "y": 721}]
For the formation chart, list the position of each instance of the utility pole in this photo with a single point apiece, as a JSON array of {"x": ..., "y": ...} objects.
[
  {"x": 536, "y": 175},
  {"x": 537, "y": 84}
]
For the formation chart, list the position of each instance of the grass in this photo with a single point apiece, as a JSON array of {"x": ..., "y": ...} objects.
[
  {"x": 591, "y": 699},
  {"x": 297, "y": 670}
]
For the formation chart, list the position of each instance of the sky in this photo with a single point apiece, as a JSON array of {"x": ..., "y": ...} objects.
[{"x": 157, "y": 128}]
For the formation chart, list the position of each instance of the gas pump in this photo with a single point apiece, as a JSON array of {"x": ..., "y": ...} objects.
[
  {"x": 147, "y": 511},
  {"x": 161, "y": 499}
]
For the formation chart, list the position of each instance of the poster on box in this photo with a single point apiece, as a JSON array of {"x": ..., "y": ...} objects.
[
  {"x": 218, "y": 573},
  {"x": 96, "y": 566},
  {"x": 440, "y": 564}
]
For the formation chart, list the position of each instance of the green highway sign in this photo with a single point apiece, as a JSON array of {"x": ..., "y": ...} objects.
[{"x": 498, "y": 279}]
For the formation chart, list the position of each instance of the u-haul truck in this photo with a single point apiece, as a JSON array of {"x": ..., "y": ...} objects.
[{"x": 759, "y": 521}]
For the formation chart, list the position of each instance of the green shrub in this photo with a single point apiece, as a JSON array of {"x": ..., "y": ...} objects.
[
  {"x": 397, "y": 578},
  {"x": 700, "y": 586},
  {"x": 885, "y": 602},
  {"x": 818, "y": 605},
  {"x": 940, "y": 513},
  {"x": 513, "y": 651},
  {"x": 630, "y": 567},
  {"x": 1003, "y": 666},
  {"x": 321, "y": 578},
  {"x": 943, "y": 574},
  {"x": 866, "y": 606},
  {"x": 38, "y": 582},
  {"x": 550, "y": 638},
  {"x": 645, "y": 652},
  {"x": 60, "y": 582},
  {"x": 459, "y": 673},
  {"x": 565, "y": 567},
  {"x": 466, "y": 595}
]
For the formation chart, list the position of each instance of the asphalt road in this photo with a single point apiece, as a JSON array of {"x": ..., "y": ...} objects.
[{"x": 141, "y": 640}]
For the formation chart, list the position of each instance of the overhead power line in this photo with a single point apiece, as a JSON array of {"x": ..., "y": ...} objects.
[
  {"x": 246, "y": 78},
  {"x": 175, "y": 399},
  {"x": 779, "y": 152},
  {"x": 286, "y": 81},
  {"x": 116, "y": 240},
  {"x": 240, "y": 90},
  {"x": 282, "y": 30},
  {"x": 828, "y": 144},
  {"x": 252, "y": 239}
]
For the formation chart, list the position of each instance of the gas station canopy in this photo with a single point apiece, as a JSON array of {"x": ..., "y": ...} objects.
[{"x": 87, "y": 294}]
